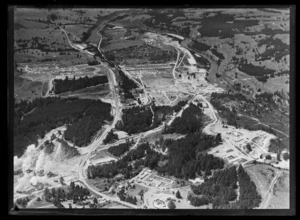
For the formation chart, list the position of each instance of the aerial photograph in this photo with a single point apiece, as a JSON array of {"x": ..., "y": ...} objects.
[{"x": 151, "y": 108}]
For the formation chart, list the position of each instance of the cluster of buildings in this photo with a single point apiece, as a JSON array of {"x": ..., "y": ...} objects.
[{"x": 148, "y": 178}]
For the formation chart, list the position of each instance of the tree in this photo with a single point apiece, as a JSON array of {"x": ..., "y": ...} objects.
[
  {"x": 141, "y": 194},
  {"x": 53, "y": 193},
  {"x": 178, "y": 195},
  {"x": 121, "y": 196},
  {"x": 47, "y": 194},
  {"x": 95, "y": 201},
  {"x": 218, "y": 138},
  {"x": 53, "y": 137},
  {"x": 171, "y": 205},
  {"x": 268, "y": 157},
  {"x": 278, "y": 156},
  {"x": 72, "y": 186},
  {"x": 248, "y": 146},
  {"x": 286, "y": 156},
  {"x": 62, "y": 181}
]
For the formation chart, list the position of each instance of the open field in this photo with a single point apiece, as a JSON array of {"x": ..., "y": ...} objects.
[
  {"x": 28, "y": 89},
  {"x": 280, "y": 198},
  {"x": 263, "y": 175}
]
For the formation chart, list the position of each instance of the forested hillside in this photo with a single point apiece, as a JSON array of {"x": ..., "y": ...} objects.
[
  {"x": 65, "y": 85},
  {"x": 34, "y": 119},
  {"x": 189, "y": 122}
]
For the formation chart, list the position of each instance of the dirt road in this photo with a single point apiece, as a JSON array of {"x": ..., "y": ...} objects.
[{"x": 265, "y": 202}]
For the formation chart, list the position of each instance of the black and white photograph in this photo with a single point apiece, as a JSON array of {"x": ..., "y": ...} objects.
[{"x": 125, "y": 108}]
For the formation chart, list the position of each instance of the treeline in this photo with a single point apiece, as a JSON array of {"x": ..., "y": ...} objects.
[
  {"x": 249, "y": 197},
  {"x": 189, "y": 122},
  {"x": 220, "y": 189},
  {"x": 32, "y": 120},
  {"x": 265, "y": 96},
  {"x": 276, "y": 146},
  {"x": 197, "y": 200},
  {"x": 65, "y": 85},
  {"x": 262, "y": 127},
  {"x": 142, "y": 156},
  {"x": 127, "y": 198},
  {"x": 187, "y": 158},
  {"x": 22, "y": 202},
  {"x": 135, "y": 120},
  {"x": 199, "y": 46},
  {"x": 81, "y": 131},
  {"x": 218, "y": 54},
  {"x": 201, "y": 61},
  {"x": 161, "y": 112},
  {"x": 275, "y": 48},
  {"x": 236, "y": 96},
  {"x": 260, "y": 73},
  {"x": 230, "y": 115},
  {"x": 120, "y": 149},
  {"x": 110, "y": 137},
  {"x": 127, "y": 85},
  {"x": 74, "y": 192}
]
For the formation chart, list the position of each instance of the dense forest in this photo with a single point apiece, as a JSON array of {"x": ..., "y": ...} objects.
[
  {"x": 249, "y": 197},
  {"x": 122, "y": 165},
  {"x": 260, "y": 73},
  {"x": 139, "y": 118},
  {"x": 135, "y": 120},
  {"x": 127, "y": 198},
  {"x": 65, "y": 85},
  {"x": 275, "y": 48},
  {"x": 189, "y": 122},
  {"x": 93, "y": 118},
  {"x": 110, "y": 137},
  {"x": 32, "y": 120},
  {"x": 127, "y": 85},
  {"x": 199, "y": 46},
  {"x": 187, "y": 158},
  {"x": 218, "y": 25},
  {"x": 217, "y": 54},
  {"x": 197, "y": 200},
  {"x": 220, "y": 188},
  {"x": 161, "y": 112},
  {"x": 120, "y": 149},
  {"x": 74, "y": 192}
]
